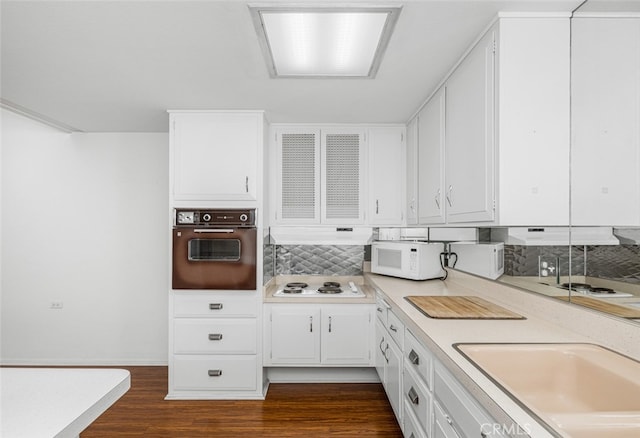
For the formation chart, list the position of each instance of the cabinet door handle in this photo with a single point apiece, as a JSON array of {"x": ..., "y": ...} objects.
[
  {"x": 414, "y": 358},
  {"x": 215, "y": 306},
  {"x": 437, "y": 198},
  {"x": 450, "y": 196},
  {"x": 385, "y": 353},
  {"x": 329, "y": 324},
  {"x": 246, "y": 184},
  {"x": 379, "y": 309},
  {"x": 448, "y": 418},
  {"x": 377, "y": 209},
  {"x": 215, "y": 336},
  {"x": 413, "y": 396},
  {"x": 311, "y": 324},
  {"x": 215, "y": 373},
  {"x": 380, "y": 346},
  {"x": 393, "y": 328}
]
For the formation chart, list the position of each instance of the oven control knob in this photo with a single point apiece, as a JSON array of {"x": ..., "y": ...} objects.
[
  {"x": 206, "y": 217},
  {"x": 244, "y": 217}
]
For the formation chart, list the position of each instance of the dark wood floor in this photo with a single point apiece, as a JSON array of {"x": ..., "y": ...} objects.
[{"x": 290, "y": 410}]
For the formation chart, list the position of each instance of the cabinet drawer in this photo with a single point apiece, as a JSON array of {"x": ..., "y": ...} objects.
[
  {"x": 418, "y": 398},
  {"x": 396, "y": 329},
  {"x": 442, "y": 424},
  {"x": 466, "y": 416},
  {"x": 381, "y": 309},
  {"x": 215, "y": 304},
  {"x": 214, "y": 336},
  {"x": 411, "y": 427},
  {"x": 198, "y": 373},
  {"x": 418, "y": 359}
]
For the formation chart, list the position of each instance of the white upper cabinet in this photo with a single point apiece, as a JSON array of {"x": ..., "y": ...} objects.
[
  {"x": 470, "y": 142},
  {"x": 412, "y": 172},
  {"x": 605, "y": 157},
  {"x": 501, "y": 122},
  {"x": 533, "y": 123},
  {"x": 215, "y": 155},
  {"x": 320, "y": 175},
  {"x": 343, "y": 158},
  {"x": 431, "y": 132},
  {"x": 386, "y": 178}
]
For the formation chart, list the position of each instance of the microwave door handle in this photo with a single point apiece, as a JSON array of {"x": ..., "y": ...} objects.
[{"x": 214, "y": 230}]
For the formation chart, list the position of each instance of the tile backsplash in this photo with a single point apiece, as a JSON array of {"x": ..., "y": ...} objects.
[
  {"x": 313, "y": 260},
  {"x": 616, "y": 262}
]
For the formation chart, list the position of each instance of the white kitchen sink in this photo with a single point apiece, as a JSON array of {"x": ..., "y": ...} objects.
[{"x": 578, "y": 390}]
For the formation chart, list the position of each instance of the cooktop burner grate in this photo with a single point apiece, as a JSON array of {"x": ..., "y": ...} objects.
[{"x": 329, "y": 289}]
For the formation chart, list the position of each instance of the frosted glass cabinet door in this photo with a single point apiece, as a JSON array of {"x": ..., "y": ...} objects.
[
  {"x": 343, "y": 170},
  {"x": 215, "y": 155},
  {"x": 298, "y": 176}
]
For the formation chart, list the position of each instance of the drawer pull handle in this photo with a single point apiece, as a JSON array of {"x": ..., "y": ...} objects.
[
  {"x": 414, "y": 358},
  {"x": 215, "y": 306},
  {"x": 379, "y": 309},
  {"x": 215, "y": 373},
  {"x": 215, "y": 336},
  {"x": 393, "y": 328},
  {"x": 413, "y": 396},
  {"x": 449, "y": 420}
]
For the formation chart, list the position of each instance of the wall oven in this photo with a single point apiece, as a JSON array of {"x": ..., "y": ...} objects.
[{"x": 214, "y": 249}]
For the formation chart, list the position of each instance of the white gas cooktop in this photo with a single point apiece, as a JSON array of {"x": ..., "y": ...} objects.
[{"x": 321, "y": 289}]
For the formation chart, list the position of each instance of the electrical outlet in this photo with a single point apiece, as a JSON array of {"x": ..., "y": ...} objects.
[
  {"x": 548, "y": 267},
  {"x": 56, "y": 305}
]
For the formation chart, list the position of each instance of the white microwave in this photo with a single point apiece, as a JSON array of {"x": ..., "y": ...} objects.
[
  {"x": 483, "y": 259},
  {"x": 411, "y": 260}
]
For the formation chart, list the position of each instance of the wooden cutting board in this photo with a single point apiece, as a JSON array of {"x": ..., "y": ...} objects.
[
  {"x": 460, "y": 307},
  {"x": 604, "y": 306}
]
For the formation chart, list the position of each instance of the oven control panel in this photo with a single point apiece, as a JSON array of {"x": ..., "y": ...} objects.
[{"x": 205, "y": 218}]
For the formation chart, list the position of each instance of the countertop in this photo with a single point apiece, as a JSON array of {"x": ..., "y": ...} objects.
[
  {"x": 56, "y": 402},
  {"x": 547, "y": 320}
]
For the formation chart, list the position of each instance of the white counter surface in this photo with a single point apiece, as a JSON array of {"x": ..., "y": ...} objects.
[
  {"x": 547, "y": 320},
  {"x": 56, "y": 402}
]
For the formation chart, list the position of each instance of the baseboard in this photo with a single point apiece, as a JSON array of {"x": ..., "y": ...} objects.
[
  {"x": 321, "y": 375},
  {"x": 82, "y": 362}
]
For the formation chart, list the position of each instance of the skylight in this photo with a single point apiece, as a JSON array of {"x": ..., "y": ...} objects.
[{"x": 324, "y": 42}]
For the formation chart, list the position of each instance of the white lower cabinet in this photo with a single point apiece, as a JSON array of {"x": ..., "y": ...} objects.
[
  {"x": 228, "y": 373},
  {"x": 457, "y": 413},
  {"x": 418, "y": 398},
  {"x": 425, "y": 397},
  {"x": 214, "y": 346},
  {"x": 417, "y": 387},
  {"x": 389, "y": 337},
  {"x": 318, "y": 334}
]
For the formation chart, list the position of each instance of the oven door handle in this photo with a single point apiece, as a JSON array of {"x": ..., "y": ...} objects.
[{"x": 213, "y": 230}]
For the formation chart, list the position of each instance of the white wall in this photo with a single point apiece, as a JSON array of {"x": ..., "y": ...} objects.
[{"x": 84, "y": 222}]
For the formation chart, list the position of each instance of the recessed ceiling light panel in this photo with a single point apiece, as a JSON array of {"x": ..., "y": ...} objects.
[{"x": 324, "y": 42}]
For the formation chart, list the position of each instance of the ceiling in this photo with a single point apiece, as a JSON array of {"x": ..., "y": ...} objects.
[{"x": 117, "y": 66}]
